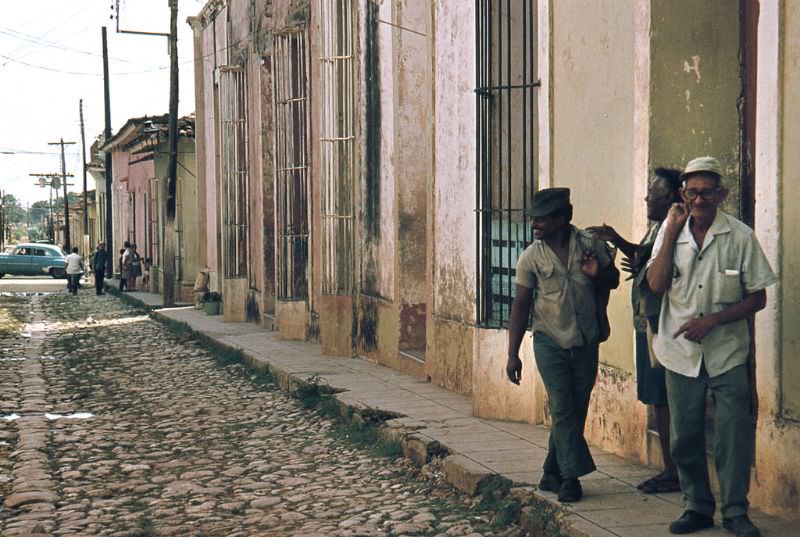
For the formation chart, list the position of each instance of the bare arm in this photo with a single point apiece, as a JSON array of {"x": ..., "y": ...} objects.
[
  {"x": 608, "y": 233},
  {"x": 659, "y": 275},
  {"x": 520, "y": 312}
]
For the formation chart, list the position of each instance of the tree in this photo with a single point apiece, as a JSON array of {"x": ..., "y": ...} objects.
[{"x": 13, "y": 212}]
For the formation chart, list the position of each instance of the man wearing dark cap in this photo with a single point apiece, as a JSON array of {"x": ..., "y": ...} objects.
[
  {"x": 566, "y": 273},
  {"x": 713, "y": 276}
]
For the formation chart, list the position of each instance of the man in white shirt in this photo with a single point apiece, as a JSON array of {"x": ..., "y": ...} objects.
[
  {"x": 713, "y": 275},
  {"x": 73, "y": 265}
]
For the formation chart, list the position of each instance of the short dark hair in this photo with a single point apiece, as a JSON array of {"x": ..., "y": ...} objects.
[
  {"x": 74, "y": 249},
  {"x": 672, "y": 178}
]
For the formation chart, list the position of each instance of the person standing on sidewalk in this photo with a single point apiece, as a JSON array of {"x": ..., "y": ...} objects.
[
  {"x": 99, "y": 262},
  {"x": 566, "y": 273},
  {"x": 713, "y": 275},
  {"x": 651, "y": 387},
  {"x": 125, "y": 264},
  {"x": 73, "y": 265}
]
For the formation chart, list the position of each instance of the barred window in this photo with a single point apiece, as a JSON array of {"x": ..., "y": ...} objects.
[
  {"x": 153, "y": 241},
  {"x": 290, "y": 101},
  {"x": 131, "y": 217},
  {"x": 233, "y": 141},
  {"x": 180, "y": 246},
  {"x": 506, "y": 110},
  {"x": 337, "y": 142}
]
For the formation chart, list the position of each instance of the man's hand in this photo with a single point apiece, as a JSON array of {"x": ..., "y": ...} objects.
[
  {"x": 696, "y": 329},
  {"x": 589, "y": 265},
  {"x": 629, "y": 265},
  {"x": 514, "y": 369},
  {"x": 677, "y": 216},
  {"x": 604, "y": 233}
]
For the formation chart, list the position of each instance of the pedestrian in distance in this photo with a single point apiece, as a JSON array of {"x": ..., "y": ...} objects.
[
  {"x": 100, "y": 260},
  {"x": 73, "y": 266},
  {"x": 566, "y": 274},
  {"x": 124, "y": 259},
  {"x": 651, "y": 388},
  {"x": 713, "y": 274},
  {"x": 136, "y": 267}
]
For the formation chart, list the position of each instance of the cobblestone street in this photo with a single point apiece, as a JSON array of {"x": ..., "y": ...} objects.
[{"x": 110, "y": 424}]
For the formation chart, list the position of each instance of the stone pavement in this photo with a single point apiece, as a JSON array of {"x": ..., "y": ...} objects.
[
  {"x": 112, "y": 424},
  {"x": 435, "y": 421}
]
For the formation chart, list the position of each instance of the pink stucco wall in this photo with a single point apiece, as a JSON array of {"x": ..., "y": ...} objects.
[{"x": 131, "y": 220}]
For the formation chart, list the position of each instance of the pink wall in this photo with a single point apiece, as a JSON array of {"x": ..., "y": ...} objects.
[{"x": 131, "y": 178}]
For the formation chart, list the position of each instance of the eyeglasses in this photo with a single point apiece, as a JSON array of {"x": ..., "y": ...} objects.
[{"x": 705, "y": 193}]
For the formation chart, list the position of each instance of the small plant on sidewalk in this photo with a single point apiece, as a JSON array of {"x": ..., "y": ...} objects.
[{"x": 211, "y": 301}]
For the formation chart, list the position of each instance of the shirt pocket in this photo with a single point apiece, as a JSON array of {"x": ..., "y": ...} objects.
[
  {"x": 550, "y": 282},
  {"x": 728, "y": 288}
]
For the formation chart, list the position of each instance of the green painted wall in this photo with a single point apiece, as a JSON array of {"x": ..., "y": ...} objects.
[
  {"x": 790, "y": 225},
  {"x": 695, "y": 86}
]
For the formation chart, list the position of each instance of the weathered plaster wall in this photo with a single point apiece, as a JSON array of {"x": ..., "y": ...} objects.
[
  {"x": 695, "y": 86},
  {"x": 776, "y": 480},
  {"x": 187, "y": 167},
  {"x": 593, "y": 85},
  {"x": 592, "y": 130},
  {"x": 413, "y": 128},
  {"x": 453, "y": 304},
  {"x": 131, "y": 178},
  {"x": 206, "y": 107}
]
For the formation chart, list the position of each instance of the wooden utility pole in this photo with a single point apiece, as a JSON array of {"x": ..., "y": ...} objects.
[
  {"x": 108, "y": 171},
  {"x": 67, "y": 242},
  {"x": 172, "y": 165},
  {"x": 85, "y": 201}
]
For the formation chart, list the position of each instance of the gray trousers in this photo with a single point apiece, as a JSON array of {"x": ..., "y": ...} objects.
[
  {"x": 568, "y": 376},
  {"x": 734, "y": 438}
]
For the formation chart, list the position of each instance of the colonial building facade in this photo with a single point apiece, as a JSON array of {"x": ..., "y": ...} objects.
[{"x": 363, "y": 170}]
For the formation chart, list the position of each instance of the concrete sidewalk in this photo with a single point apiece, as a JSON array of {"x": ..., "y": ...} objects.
[{"x": 433, "y": 421}]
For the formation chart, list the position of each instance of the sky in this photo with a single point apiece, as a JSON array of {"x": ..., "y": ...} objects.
[{"x": 51, "y": 58}]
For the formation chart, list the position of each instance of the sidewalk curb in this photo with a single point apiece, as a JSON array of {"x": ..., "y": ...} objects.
[{"x": 539, "y": 515}]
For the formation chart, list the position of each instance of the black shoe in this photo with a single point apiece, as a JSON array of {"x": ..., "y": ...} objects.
[
  {"x": 571, "y": 490},
  {"x": 741, "y": 526},
  {"x": 690, "y": 522},
  {"x": 550, "y": 483}
]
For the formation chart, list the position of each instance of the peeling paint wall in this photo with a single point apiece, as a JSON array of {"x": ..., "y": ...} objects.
[
  {"x": 776, "y": 479},
  {"x": 695, "y": 86},
  {"x": 592, "y": 131}
]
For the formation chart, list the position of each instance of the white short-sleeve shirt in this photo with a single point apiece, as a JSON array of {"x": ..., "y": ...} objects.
[{"x": 707, "y": 280}]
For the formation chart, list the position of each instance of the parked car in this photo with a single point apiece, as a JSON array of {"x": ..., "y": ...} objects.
[{"x": 33, "y": 259}]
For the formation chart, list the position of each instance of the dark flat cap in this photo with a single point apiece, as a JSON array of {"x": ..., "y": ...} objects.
[{"x": 548, "y": 200}]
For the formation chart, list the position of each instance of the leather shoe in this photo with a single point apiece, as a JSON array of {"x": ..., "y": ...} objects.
[
  {"x": 550, "y": 483},
  {"x": 690, "y": 522},
  {"x": 571, "y": 490},
  {"x": 741, "y": 526}
]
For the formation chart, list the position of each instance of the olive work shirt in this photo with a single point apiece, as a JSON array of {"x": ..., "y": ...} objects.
[
  {"x": 564, "y": 304},
  {"x": 708, "y": 280}
]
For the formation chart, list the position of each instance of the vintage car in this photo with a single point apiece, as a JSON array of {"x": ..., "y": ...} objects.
[{"x": 33, "y": 259}]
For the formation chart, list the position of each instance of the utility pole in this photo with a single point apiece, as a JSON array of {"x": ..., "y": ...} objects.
[
  {"x": 85, "y": 202},
  {"x": 67, "y": 242},
  {"x": 168, "y": 258},
  {"x": 109, "y": 172},
  {"x": 172, "y": 164}
]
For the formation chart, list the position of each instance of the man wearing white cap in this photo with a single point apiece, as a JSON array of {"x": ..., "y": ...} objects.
[{"x": 713, "y": 274}]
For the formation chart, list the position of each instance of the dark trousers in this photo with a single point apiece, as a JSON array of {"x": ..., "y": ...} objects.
[
  {"x": 99, "y": 276},
  {"x": 122, "y": 283},
  {"x": 734, "y": 438},
  {"x": 72, "y": 283},
  {"x": 568, "y": 376}
]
